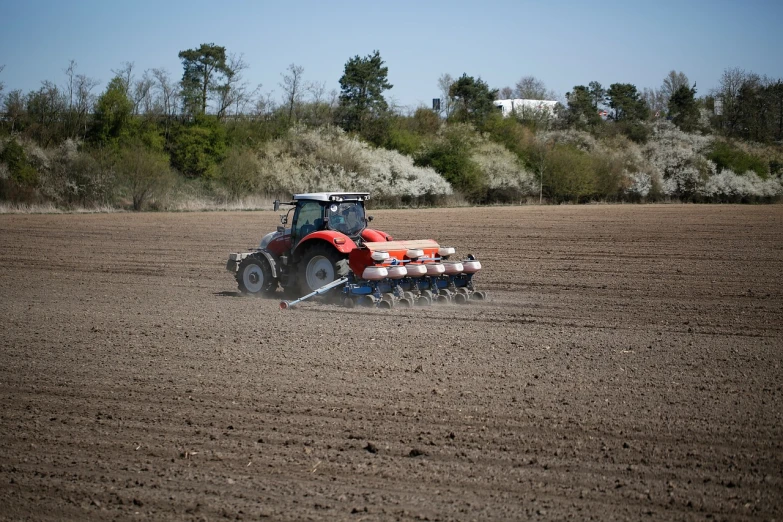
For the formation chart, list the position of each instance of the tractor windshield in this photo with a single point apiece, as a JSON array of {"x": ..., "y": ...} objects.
[{"x": 346, "y": 217}]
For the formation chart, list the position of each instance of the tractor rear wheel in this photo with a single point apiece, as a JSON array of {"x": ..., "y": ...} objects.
[
  {"x": 254, "y": 277},
  {"x": 320, "y": 265}
]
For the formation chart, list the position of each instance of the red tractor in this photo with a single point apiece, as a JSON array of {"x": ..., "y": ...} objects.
[
  {"x": 310, "y": 249},
  {"x": 328, "y": 248}
]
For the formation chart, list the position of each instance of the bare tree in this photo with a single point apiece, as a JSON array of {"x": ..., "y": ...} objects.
[
  {"x": 14, "y": 107},
  {"x": 2, "y": 85},
  {"x": 125, "y": 73},
  {"x": 79, "y": 99},
  {"x": 731, "y": 83},
  {"x": 446, "y": 103},
  {"x": 84, "y": 102},
  {"x": 292, "y": 88},
  {"x": 45, "y": 108},
  {"x": 655, "y": 100},
  {"x": 320, "y": 106},
  {"x": 506, "y": 93},
  {"x": 317, "y": 91},
  {"x": 334, "y": 98},
  {"x": 531, "y": 88},
  {"x": 241, "y": 92},
  {"x": 541, "y": 161},
  {"x": 234, "y": 91},
  {"x": 70, "y": 73},
  {"x": 673, "y": 81},
  {"x": 167, "y": 99},
  {"x": 141, "y": 94},
  {"x": 243, "y": 97},
  {"x": 264, "y": 105}
]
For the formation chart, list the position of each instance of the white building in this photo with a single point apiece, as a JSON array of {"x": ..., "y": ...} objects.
[{"x": 519, "y": 106}]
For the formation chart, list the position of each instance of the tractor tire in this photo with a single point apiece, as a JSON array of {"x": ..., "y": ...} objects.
[
  {"x": 320, "y": 265},
  {"x": 254, "y": 277}
]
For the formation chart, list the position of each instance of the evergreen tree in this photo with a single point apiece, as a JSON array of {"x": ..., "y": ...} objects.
[
  {"x": 361, "y": 91},
  {"x": 472, "y": 99},
  {"x": 582, "y": 110},
  {"x": 626, "y": 102},
  {"x": 683, "y": 109},
  {"x": 206, "y": 72}
]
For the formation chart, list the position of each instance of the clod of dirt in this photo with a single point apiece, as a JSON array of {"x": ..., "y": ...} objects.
[
  {"x": 415, "y": 452},
  {"x": 371, "y": 447}
]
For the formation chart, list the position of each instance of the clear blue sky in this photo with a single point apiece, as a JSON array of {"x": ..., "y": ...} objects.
[{"x": 562, "y": 43}]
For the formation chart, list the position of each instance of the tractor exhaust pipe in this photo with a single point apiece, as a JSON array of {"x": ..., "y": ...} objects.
[{"x": 285, "y": 305}]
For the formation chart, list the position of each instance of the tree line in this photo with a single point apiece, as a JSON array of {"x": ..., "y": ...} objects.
[{"x": 191, "y": 124}]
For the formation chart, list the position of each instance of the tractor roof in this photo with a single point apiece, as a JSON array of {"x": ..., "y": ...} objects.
[{"x": 333, "y": 196}]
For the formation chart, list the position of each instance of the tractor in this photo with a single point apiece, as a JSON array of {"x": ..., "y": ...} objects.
[{"x": 323, "y": 246}]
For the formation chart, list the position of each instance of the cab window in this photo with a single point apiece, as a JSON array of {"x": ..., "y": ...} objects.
[
  {"x": 347, "y": 217},
  {"x": 308, "y": 219}
]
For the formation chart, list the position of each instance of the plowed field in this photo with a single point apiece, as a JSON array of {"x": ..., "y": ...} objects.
[{"x": 627, "y": 366}]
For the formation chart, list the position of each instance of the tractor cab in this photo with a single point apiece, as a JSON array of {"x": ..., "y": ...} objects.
[{"x": 341, "y": 212}]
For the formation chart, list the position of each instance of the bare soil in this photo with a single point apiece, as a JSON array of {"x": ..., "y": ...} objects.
[{"x": 628, "y": 366}]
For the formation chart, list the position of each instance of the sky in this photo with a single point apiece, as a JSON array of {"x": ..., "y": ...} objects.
[{"x": 562, "y": 43}]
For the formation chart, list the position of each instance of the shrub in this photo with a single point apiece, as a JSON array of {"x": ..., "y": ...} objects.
[
  {"x": 503, "y": 174},
  {"x": 450, "y": 156},
  {"x": 403, "y": 141},
  {"x": 639, "y": 186},
  {"x": 581, "y": 140},
  {"x": 425, "y": 122},
  {"x": 727, "y": 156},
  {"x": 145, "y": 174},
  {"x": 570, "y": 175},
  {"x": 611, "y": 180},
  {"x": 196, "y": 149},
  {"x": 676, "y": 158},
  {"x": 636, "y": 131},
  {"x": 685, "y": 183},
  {"x": 239, "y": 173},
  {"x": 76, "y": 177},
  {"x": 726, "y": 186},
  {"x": 328, "y": 159},
  {"x": 511, "y": 134},
  {"x": 19, "y": 168}
]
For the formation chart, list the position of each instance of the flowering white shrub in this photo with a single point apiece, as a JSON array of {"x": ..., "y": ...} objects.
[
  {"x": 502, "y": 169},
  {"x": 676, "y": 156},
  {"x": 640, "y": 184},
  {"x": 36, "y": 156},
  {"x": 327, "y": 159},
  {"x": 582, "y": 140},
  {"x": 69, "y": 148},
  {"x": 704, "y": 118},
  {"x": 394, "y": 174},
  {"x": 685, "y": 181},
  {"x": 728, "y": 185}
]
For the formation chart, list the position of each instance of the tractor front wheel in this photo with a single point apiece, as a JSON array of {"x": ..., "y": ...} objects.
[
  {"x": 254, "y": 277},
  {"x": 320, "y": 265}
]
